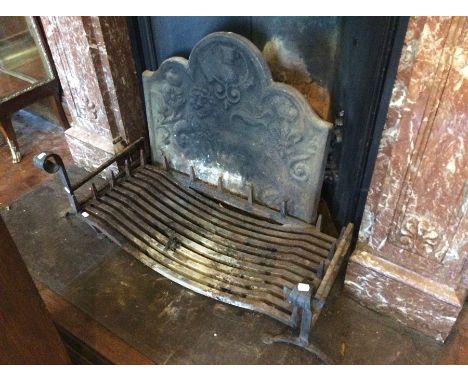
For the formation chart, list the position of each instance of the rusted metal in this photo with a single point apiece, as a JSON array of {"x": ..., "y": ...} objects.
[
  {"x": 127, "y": 168},
  {"x": 94, "y": 191},
  {"x": 309, "y": 306},
  {"x": 237, "y": 201},
  {"x": 142, "y": 157},
  {"x": 187, "y": 235},
  {"x": 284, "y": 207},
  {"x": 192, "y": 174},
  {"x": 250, "y": 194},
  {"x": 124, "y": 153},
  {"x": 52, "y": 163},
  {"x": 112, "y": 180},
  {"x": 166, "y": 164}
]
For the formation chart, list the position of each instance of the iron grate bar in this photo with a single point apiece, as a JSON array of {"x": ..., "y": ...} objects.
[
  {"x": 180, "y": 278},
  {"x": 239, "y": 268},
  {"x": 222, "y": 253},
  {"x": 303, "y": 230},
  {"x": 215, "y": 235},
  {"x": 173, "y": 259},
  {"x": 214, "y": 275},
  {"x": 319, "y": 247},
  {"x": 275, "y": 272},
  {"x": 210, "y": 225}
]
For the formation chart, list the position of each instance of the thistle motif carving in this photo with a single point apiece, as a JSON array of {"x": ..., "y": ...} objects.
[{"x": 222, "y": 109}]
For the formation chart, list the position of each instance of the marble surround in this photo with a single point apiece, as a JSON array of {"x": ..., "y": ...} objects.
[
  {"x": 94, "y": 63},
  {"x": 410, "y": 262}
]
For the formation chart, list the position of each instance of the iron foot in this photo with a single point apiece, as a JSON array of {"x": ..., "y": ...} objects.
[{"x": 294, "y": 340}]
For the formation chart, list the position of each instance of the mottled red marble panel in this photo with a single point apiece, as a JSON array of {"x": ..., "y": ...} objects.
[
  {"x": 410, "y": 306},
  {"x": 96, "y": 69},
  {"x": 71, "y": 53},
  {"x": 415, "y": 215},
  {"x": 414, "y": 210}
]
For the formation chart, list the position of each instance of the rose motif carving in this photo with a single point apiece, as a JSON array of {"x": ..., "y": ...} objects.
[
  {"x": 173, "y": 97},
  {"x": 420, "y": 236},
  {"x": 293, "y": 147}
]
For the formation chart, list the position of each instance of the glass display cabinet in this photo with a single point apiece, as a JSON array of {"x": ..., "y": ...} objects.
[{"x": 26, "y": 74}]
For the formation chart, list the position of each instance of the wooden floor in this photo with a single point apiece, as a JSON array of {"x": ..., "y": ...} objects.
[{"x": 35, "y": 135}]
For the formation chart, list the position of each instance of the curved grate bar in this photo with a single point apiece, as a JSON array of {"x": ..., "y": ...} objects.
[{"x": 216, "y": 251}]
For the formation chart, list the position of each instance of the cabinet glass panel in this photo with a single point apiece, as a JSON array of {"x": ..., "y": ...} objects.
[{"x": 23, "y": 61}]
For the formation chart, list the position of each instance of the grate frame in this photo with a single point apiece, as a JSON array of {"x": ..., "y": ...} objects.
[{"x": 232, "y": 250}]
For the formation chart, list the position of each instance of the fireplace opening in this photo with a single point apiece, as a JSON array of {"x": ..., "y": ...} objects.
[
  {"x": 234, "y": 124},
  {"x": 223, "y": 132},
  {"x": 230, "y": 244},
  {"x": 344, "y": 66}
]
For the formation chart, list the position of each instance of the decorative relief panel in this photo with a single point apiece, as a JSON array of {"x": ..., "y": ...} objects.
[
  {"x": 221, "y": 113},
  {"x": 418, "y": 235}
]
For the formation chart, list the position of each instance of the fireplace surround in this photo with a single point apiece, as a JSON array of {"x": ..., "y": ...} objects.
[{"x": 351, "y": 65}]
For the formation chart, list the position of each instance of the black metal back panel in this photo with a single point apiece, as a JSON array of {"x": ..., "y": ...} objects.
[
  {"x": 355, "y": 58},
  {"x": 221, "y": 115}
]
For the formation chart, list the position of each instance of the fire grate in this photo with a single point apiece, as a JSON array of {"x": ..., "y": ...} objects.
[
  {"x": 258, "y": 251},
  {"x": 282, "y": 269},
  {"x": 210, "y": 249}
]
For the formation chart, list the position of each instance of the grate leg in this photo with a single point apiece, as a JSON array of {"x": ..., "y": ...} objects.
[{"x": 301, "y": 300}]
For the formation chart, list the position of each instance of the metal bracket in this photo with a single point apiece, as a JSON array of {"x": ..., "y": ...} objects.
[
  {"x": 53, "y": 163},
  {"x": 301, "y": 299}
]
